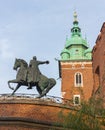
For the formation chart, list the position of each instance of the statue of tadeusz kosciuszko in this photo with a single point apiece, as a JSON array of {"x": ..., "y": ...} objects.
[
  {"x": 31, "y": 76},
  {"x": 34, "y": 72}
]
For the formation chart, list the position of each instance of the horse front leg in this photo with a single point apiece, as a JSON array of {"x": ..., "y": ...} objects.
[
  {"x": 12, "y": 81},
  {"x": 17, "y": 87}
]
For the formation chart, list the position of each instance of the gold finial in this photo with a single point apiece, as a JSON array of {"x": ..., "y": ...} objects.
[{"x": 75, "y": 16}]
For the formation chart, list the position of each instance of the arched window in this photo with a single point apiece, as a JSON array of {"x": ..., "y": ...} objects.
[{"x": 78, "y": 80}]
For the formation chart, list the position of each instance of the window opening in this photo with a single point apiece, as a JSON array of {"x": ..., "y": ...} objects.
[
  {"x": 78, "y": 79},
  {"x": 76, "y": 99}
]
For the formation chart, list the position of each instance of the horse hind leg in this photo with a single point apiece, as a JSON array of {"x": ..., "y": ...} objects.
[
  {"x": 51, "y": 84},
  {"x": 39, "y": 90},
  {"x": 45, "y": 91}
]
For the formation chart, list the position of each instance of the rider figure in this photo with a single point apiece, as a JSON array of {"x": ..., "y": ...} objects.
[{"x": 34, "y": 72}]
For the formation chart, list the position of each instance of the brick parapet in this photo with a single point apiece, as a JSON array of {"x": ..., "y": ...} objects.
[{"x": 32, "y": 114}]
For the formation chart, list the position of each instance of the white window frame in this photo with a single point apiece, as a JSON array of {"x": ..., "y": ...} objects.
[
  {"x": 74, "y": 100},
  {"x": 79, "y": 78}
]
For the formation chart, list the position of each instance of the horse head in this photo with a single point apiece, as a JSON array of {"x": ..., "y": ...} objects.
[{"x": 18, "y": 63}]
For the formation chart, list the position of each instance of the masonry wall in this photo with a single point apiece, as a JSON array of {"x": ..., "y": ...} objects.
[
  {"x": 99, "y": 64},
  {"x": 30, "y": 114},
  {"x": 18, "y": 113},
  {"x": 68, "y": 71}
]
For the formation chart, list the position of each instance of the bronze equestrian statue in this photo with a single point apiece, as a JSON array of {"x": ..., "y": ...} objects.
[{"x": 31, "y": 76}]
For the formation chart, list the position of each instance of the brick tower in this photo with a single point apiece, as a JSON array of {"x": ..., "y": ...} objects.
[{"x": 75, "y": 67}]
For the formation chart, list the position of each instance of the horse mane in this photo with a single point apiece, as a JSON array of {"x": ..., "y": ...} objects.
[{"x": 24, "y": 62}]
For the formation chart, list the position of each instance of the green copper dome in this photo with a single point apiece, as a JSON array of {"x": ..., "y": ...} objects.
[
  {"x": 76, "y": 47},
  {"x": 65, "y": 54}
]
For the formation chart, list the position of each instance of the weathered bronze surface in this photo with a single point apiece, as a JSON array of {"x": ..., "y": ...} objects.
[{"x": 30, "y": 75}]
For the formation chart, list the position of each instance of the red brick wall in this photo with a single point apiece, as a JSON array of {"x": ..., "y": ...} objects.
[
  {"x": 99, "y": 62},
  {"x": 68, "y": 70},
  {"x": 24, "y": 114}
]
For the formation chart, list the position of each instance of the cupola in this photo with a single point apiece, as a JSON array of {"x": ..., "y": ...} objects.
[{"x": 76, "y": 46}]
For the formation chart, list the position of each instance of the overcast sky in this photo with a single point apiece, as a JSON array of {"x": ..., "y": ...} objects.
[{"x": 39, "y": 28}]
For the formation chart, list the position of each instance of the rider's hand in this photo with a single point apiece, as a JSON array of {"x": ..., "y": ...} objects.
[{"x": 47, "y": 62}]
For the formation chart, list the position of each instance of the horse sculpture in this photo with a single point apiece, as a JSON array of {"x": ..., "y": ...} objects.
[{"x": 43, "y": 85}]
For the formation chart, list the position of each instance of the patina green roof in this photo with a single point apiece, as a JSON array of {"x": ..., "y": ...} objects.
[
  {"x": 76, "y": 47},
  {"x": 76, "y": 40},
  {"x": 88, "y": 50}
]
